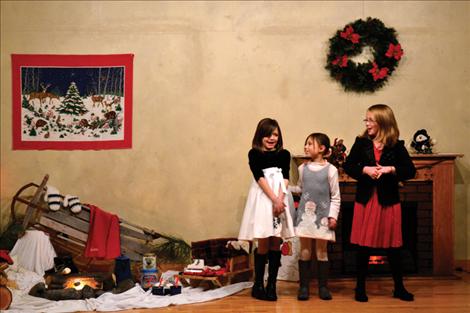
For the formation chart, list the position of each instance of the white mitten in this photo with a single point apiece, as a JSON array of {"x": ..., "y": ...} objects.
[
  {"x": 73, "y": 203},
  {"x": 53, "y": 198}
]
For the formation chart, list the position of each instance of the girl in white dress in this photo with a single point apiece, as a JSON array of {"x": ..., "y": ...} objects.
[
  {"x": 317, "y": 212},
  {"x": 267, "y": 217}
]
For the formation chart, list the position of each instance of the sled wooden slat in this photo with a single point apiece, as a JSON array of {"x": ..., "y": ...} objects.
[
  {"x": 68, "y": 220},
  {"x": 37, "y": 196},
  {"x": 134, "y": 245},
  {"x": 133, "y": 233},
  {"x": 81, "y": 221},
  {"x": 45, "y": 221}
]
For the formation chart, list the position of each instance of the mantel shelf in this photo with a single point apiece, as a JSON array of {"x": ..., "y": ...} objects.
[{"x": 414, "y": 156}]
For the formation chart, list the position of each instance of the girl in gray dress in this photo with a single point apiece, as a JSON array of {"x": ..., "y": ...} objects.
[{"x": 317, "y": 212}]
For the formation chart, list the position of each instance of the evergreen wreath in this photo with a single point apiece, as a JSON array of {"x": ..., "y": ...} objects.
[{"x": 349, "y": 42}]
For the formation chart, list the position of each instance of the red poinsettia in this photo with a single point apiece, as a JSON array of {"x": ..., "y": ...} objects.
[
  {"x": 394, "y": 51},
  {"x": 378, "y": 73},
  {"x": 341, "y": 61},
  {"x": 349, "y": 34}
]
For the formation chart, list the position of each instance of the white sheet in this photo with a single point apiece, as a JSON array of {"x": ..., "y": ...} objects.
[
  {"x": 34, "y": 252},
  {"x": 131, "y": 299}
]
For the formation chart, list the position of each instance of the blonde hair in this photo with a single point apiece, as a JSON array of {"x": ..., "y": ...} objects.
[{"x": 388, "y": 132}]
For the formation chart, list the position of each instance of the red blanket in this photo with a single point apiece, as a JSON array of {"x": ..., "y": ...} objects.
[{"x": 103, "y": 236}]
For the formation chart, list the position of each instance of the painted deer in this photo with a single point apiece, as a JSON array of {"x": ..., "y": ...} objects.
[
  {"x": 97, "y": 99},
  {"x": 52, "y": 96},
  {"x": 41, "y": 96},
  {"x": 109, "y": 104}
]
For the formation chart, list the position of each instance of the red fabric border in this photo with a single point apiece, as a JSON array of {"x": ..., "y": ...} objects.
[{"x": 18, "y": 60}]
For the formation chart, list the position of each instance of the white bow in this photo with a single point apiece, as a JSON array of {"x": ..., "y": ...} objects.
[{"x": 275, "y": 179}]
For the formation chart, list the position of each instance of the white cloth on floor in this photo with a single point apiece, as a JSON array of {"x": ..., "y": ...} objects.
[
  {"x": 34, "y": 252},
  {"x": 132, "y": 299},
  {"x": 24, "y": 279}
]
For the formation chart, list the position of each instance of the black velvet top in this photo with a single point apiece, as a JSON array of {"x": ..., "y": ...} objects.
[
  {"x": 362, "y": 154},
  {"x": 260, "y": 160}
]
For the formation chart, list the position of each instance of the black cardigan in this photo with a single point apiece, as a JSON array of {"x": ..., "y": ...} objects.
[{"x": 362, "y": 154}]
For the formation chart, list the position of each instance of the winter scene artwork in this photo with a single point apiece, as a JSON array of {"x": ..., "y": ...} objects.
[{"x": 67, "y": 102}]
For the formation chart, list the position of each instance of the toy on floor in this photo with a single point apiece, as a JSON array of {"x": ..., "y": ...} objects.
[{"x": 170, "y": 287}]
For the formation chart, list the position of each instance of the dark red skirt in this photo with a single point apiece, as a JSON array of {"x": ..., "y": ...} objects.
[{"x": 376, "y": 226}]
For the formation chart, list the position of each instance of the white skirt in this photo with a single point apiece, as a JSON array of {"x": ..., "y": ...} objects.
[{"x": 258, "y": 220}]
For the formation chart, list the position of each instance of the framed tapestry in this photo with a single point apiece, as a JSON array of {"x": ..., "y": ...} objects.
[{"x": 72, "y": 102}]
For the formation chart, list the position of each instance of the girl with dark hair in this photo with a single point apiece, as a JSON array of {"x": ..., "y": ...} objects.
[
  {"x": 317, "y": 212},
  {"x": 266, "y": 217}
]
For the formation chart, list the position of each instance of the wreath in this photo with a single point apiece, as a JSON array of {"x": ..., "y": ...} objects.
[{"x": 350, "y": 42}]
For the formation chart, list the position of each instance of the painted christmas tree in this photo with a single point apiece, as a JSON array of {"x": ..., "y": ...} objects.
[{"x": 73, "y": 103}]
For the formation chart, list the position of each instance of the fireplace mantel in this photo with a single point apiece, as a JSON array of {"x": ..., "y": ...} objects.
[{"x": 439, "y": 169}]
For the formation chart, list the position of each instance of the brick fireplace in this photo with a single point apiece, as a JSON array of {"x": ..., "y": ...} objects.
[
  {"x": 427, "y": 221},
  {"x": 417, "y": 254}
]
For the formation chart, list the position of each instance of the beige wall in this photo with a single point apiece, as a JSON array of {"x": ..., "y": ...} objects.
[{"x": 205, "y": 73}]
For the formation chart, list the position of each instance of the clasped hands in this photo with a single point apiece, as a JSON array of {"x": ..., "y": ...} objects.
[
  {"x": 375, "y": 172},
  {"x": 278, "y": 205}
]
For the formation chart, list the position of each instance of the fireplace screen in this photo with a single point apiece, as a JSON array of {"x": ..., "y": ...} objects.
[{"x": 378, "y": 264}]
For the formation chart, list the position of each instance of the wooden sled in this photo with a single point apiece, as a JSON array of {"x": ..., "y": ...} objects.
[
  {"x": 240, "y": 268},
  {"x": 69, "y": 231}
]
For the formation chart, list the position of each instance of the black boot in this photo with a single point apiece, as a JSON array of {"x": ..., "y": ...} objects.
[
  {"x": 323, "y": 292},
  {"x": 304, "y": 279},
  {"x": 362, "y": 263},
  {"x": 394, "y": 259},
  {"x": 274, "y": 259},
  {"x": 258, "y": 291}
]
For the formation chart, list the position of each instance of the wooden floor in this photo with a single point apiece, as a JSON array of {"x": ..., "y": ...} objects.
[{"x": 431, "y": 295}]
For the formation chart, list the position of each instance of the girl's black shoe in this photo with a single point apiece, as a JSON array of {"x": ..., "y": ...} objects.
[
  {"x": 271, "y": 294},
  {"x": 403, "y": 295},
  {"x": 258, "y": 292},
  {"x": 360, "y": 295}
]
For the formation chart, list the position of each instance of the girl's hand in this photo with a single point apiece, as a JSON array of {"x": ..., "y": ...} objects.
[
  {"x": 385, "y": 170},
  {"x": 371, "y": 171},
  {"x": 278, "y": 207},
  {"x": 332, "y": 223}
]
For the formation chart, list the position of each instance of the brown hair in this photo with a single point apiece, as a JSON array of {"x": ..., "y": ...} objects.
[
  {"x": 264, "y": 129},
  {"x": 388, "y": 132},
  {"x": 322, "y": 140}
]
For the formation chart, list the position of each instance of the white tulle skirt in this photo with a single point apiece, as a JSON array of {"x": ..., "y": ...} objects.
[{"x": 258, "y": 220}]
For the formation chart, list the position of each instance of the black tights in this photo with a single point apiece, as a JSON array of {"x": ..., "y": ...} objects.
[{"x": 394, "y": 259}]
